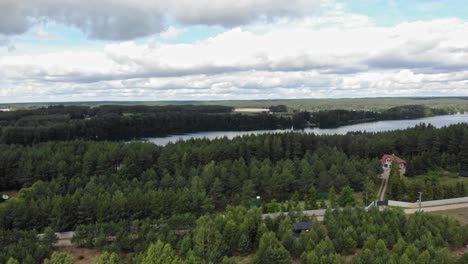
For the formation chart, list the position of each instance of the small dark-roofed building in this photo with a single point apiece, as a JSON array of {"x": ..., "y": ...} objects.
[
  {"x": 302, "y": 226},
  {"x": 464, "y": 173}
]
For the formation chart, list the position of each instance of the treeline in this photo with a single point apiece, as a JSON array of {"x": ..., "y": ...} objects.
[
  {"x": 424, "y": 148},
  {"x": 142, "y": 180},
  {"x": 431, "y": 187},
  {"x": 123, "y": 122},
  {"x": 242, "y": 236},
  {"x": 59, "y": 123},
  {"x": 336, "y": 118},
  {"x": 108, "y": 191},
  {"x": 375, "y": 237},
  {"x": 143, "y": 185}
]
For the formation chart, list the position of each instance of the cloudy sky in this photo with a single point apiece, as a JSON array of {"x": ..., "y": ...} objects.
[{"x": 88, "y": 50}]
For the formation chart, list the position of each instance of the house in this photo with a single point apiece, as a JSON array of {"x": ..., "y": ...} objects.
[
  {"x": 387, "y": 161},
  {"x": 302, "y": 226},
  {"x": 463, "y": 173}
]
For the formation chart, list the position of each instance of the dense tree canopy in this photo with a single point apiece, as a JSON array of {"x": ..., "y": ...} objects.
[{"x": 194, "y": 198}]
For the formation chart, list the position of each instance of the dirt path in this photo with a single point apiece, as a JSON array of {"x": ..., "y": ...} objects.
[
  {"x": 383, "y": 186},
  {"x": 380, "y": 189},
  {"x": 384, "y": 189}
]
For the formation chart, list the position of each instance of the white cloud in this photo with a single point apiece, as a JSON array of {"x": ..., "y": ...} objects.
[
  {"x": 302, "y": 58},
  {"x": 43, "y": 35},
  {"x": 172, "y": 33},
  {"x": 129, "y": 19}
]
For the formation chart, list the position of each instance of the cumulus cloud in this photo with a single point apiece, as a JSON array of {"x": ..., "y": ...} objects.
[
  {"x": 129, "y": 19},
  {"x": 308, "y": 59}
]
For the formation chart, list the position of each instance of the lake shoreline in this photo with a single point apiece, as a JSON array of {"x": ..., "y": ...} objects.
[{"x": 369, "y": 127}]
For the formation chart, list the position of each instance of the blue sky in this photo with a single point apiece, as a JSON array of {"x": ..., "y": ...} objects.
[
  {"x": 204, "y": 50},
  {"x": 392, "y": 12}
]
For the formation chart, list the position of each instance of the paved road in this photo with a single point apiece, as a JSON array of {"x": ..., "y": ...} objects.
[
  {"x": 65, "y": 237},
  {"x": 457, "y": 203},
  {"x": 437, "y": 208}
]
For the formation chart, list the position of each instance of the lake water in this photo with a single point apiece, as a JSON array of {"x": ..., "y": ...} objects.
[{"x": 379, "y": 126}]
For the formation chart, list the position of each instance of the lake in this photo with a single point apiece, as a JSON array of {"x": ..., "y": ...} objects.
[{"x": 379, "y": 126}]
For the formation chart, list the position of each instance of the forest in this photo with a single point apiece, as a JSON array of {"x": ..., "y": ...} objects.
[
  {"x": 127, "y": 122},
  {"x": 146, "y": 200},
  {"x": 340, "y": 117},
  {"x": 117, "y": 122}
]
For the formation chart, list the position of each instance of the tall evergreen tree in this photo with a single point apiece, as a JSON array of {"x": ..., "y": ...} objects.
[
  {"x": 270, "y": 251},
  {"x": 332, "y": 197}
]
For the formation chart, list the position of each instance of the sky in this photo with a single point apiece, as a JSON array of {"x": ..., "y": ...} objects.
[{"x": 139, "y": 50}]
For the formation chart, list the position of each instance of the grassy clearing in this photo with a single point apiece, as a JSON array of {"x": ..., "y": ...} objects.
[
  {"x": 457, "y": 214},
  {"x": 441, "y": 176}
]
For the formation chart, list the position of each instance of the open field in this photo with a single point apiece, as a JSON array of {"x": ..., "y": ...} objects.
[
  {"x": 460, "y": 215},
  {"x": 251, "y": 110},
  {"x": 443, "y": 177},
  {"x": 449, "y": 103}
]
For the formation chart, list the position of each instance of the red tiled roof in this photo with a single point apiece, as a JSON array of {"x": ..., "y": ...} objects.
[{"x": 392, "y": 158}]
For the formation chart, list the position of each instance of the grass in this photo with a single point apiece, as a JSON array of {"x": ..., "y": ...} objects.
[
  {"x": 442, "y": 176},
  {"x": 457, "y": 214}
]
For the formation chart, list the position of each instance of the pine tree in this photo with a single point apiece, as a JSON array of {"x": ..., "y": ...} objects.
[
  {"x": 346, "y": 197},
  {"x": 424, "y": 258},
  {"x": 59, "y": 258},
  {"x": 49, "y": 237},
  {"x": 12, "y": 261},
  {"x": 312, "y": 196},
  {"x": 464, "y": 153},
  {"x": 332, "y": 197},
  {"x": 208, "y": 241},
  {"x": 270, "y": 251},
  {"x": 160, "y": 253},
  {"x": 108, "y": 258}
]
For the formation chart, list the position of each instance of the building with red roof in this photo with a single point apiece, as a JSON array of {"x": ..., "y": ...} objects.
[{"x": 387, "y": 161}]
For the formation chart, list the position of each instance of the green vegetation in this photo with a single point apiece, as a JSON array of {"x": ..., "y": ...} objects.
[
  {"x": 452, "y": 104},
  {"x": 127, "y": 122},
  {"x": 195, "y": 201},
  {"x": 457, "y": 214},
  {"x": 434, "y": 185},
  {"x": 336, "y": 118}
]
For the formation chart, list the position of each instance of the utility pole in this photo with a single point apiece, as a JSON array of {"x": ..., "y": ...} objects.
[
  {"x": 420, "y": 201},
  {"x": 367, "y": 184},
  {"x": 366, "y": 199}
]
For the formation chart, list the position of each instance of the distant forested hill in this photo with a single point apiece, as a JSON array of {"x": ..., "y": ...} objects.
[
  {"x": 336, "y": 118},
  {"x": 125, "y": 122}
]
